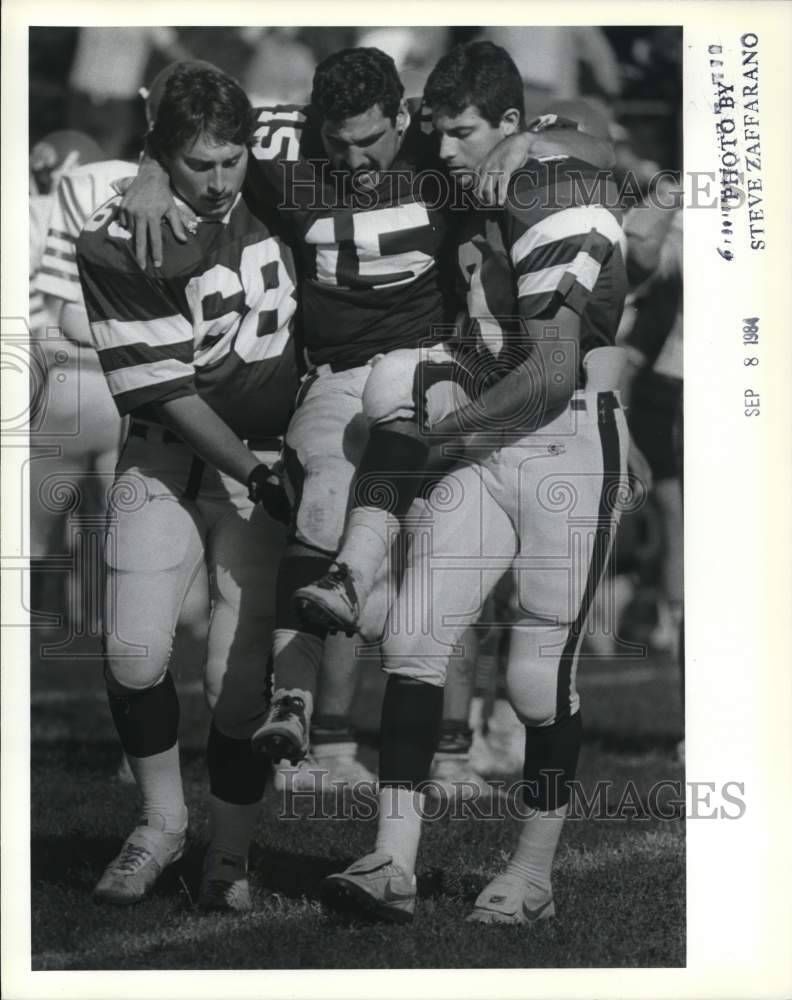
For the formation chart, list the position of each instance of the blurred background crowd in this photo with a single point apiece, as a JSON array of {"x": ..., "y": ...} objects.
[{"x": 89, "y": 79}]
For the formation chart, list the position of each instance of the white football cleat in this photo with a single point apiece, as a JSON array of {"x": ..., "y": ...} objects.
[
  {"x": 376, "y": 886},
  {"x": 331, "y": 601},
  {"x": 145, "y": 854},
  {"x": 500, "y": 903},
  {"x": 224, "y": 883}
]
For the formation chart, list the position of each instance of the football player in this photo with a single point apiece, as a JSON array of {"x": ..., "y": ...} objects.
[
  {"x": 199, "y": 354},
  {"x": 530, "y": 388},
  {"x": 355, "y": 176}
]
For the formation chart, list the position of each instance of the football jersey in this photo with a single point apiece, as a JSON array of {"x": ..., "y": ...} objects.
[
  {"x": 78, "y": 195},
  {"x": 369, "y": 257},
  {"x": 553, "y": 244},
  {"x": 216, "y": 319}
]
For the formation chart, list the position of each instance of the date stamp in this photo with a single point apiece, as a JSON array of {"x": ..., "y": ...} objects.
[{"x": 750, "y": 339}]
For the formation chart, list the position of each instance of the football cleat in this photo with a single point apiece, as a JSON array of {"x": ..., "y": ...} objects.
[
  {"x": 144, "y": 856},
  {"x": 284, "y": 733},
  {"x": 224, "y": 883},
  {"x": 330, "y": 602},
  {"x": 374, "y": 885},
  {"x": 500, "y": 903},
  {"x": 453, "y": 778}
]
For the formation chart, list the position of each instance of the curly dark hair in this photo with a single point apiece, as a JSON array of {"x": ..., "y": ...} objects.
[
  {"x": 480, "y": 74},
  {"x": 351, "y": 81},
  {"x": 198, "y": 100}
]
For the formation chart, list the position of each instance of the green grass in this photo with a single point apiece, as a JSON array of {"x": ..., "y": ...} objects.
[{"x": 619, "y": 885}]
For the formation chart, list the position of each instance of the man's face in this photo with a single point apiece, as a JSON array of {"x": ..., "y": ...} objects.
[
  {"x": 207, "y": 176},
  {"x": 465, "y": 140},
  {"x": 364, "y": 144}
]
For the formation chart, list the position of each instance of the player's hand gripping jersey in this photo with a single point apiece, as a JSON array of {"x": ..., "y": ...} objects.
[
  {"x": 215, "y": 320},
  {"x": 369, "y": 254},
  {"x": 557, "y": 242}
]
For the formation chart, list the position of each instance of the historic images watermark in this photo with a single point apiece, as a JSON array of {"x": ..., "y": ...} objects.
[{"x": 667, "y": 800}]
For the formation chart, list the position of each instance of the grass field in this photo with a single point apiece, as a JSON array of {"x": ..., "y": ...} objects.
[{"x": 619, "y": 883}]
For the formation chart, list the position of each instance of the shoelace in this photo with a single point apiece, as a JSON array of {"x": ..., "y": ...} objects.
[
  {"x": 286, "y": 707},
  {"x": 334, "y": 578},
  {"x": 132, "y": 857}
]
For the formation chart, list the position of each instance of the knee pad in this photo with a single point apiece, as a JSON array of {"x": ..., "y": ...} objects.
[
  {"x": 388, "y": 394},
  {"x": 533, "y": 678},
  {"x": 135, "y": 673}
]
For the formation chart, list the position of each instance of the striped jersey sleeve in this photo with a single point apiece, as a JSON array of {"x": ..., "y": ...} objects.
[
  {"x": 560, "y": 235},
  {"x": 77, "y": 196},
  {"x": 144, "y": 341}
]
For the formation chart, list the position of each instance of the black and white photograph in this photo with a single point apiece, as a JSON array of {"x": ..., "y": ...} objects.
[{"x": 359, "y": 479}]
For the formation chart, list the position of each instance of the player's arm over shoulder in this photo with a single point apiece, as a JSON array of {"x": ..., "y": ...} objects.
[{"x": 560, "y": 231}]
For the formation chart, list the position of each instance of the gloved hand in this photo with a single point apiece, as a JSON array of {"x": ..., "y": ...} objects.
[{"x": 266, "y": 488}]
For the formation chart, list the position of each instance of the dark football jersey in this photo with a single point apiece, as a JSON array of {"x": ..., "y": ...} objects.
[
  {"x": 370, "y": 280},
  {"x": 216, "y": 319},
  {"x": 557, "y": 242}
]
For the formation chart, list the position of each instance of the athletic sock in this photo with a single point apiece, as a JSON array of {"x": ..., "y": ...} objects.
[
  {"x": 399, "y": 825},
  {"x": 386, "y": 483},
  {"x": 366, "y": 544},
  {"x": 532, "y": 862},
  {"x": 159, "y": 779}
]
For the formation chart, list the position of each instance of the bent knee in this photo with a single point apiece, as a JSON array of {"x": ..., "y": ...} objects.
[
  {"x": 534, "y": 716},
  {"x": 136, "y": 672},
  {"x": 388, "y": 394},
  {"x": 134, "y": 678}
]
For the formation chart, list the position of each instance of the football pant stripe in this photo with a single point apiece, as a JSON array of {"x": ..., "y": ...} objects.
[{"x": 612, "y": 474}]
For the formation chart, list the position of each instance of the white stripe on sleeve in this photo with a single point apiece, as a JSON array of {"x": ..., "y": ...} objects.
[
  {"x": 141, "y": 376},
  {"x": 153, "y": 332},
  {"x": 565, "y": 224}
]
